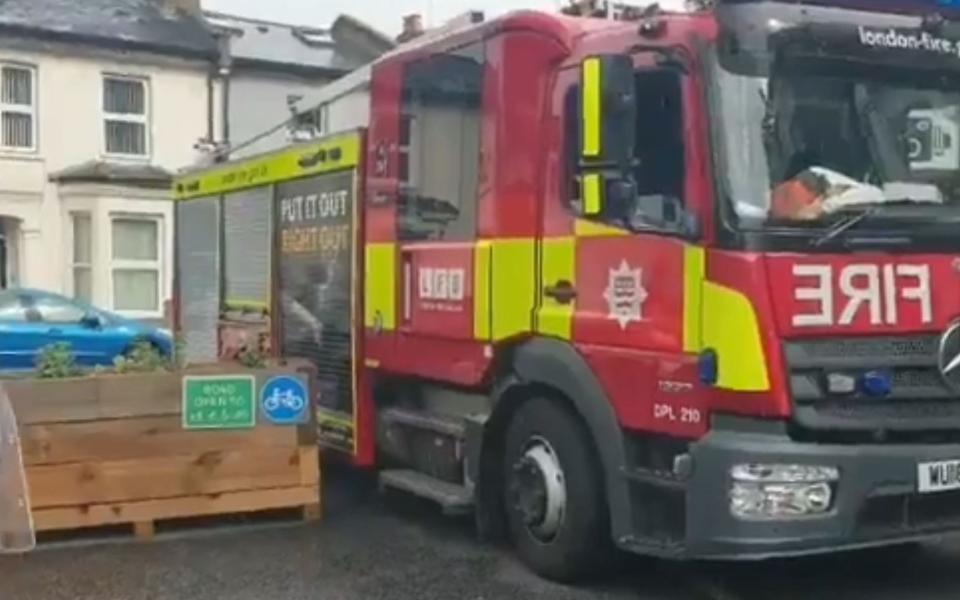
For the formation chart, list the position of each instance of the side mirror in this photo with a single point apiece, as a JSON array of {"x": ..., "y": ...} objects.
[
  {"x": 91, "y": 321},
  {"x": 608, "y": 111}
]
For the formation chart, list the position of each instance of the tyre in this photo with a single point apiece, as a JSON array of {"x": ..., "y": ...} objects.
[{"x": 553, "y": 493}]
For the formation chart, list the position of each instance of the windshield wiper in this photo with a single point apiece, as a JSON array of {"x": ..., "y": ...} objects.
[{"x": 843, "y": 225}]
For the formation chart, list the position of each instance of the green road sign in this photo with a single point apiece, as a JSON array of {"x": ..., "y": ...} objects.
[{"x": 219, "y": 402}]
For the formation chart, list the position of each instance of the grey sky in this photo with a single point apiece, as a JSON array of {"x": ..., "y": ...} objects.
[{"x": 385, "y": 15}]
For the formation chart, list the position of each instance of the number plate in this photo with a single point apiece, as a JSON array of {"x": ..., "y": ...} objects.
[{"x": 938, "y": 476}]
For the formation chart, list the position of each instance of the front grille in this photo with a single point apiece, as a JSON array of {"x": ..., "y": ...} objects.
[
  {"x": 919, "y": 398},
  {"x": 910, "y": 513},
  {"x": 852, "y": 352}
]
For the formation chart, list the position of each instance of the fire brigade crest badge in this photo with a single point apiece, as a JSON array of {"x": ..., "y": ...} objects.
[{"x": 625, "y": 294}]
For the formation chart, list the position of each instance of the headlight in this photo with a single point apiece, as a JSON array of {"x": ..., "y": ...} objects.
[{"x": 774, "y": 491}]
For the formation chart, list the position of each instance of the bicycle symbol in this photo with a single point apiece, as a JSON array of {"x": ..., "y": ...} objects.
[{"x": 288, "y": 399}]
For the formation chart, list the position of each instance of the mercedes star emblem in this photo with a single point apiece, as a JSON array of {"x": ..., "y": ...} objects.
[{"x": 950, "y": 356}]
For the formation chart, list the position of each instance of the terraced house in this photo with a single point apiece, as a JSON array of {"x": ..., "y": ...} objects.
[{"x": 101, "y": 101}]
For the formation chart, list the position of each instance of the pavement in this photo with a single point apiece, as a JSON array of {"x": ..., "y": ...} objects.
[{"x": 370, "y": 547}]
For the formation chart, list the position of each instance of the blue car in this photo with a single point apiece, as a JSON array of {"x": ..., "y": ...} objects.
[{"x": 31, "y": 319}]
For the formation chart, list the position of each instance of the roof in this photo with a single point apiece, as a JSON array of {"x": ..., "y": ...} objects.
[
  {"x": 98, "y": 171},
  {"x": 346, "y": 45},
  {"x": 134, "y": 24},
  {"x": 564, "y": 29}
]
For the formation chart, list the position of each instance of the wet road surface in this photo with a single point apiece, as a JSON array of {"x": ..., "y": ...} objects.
[{"x": 371, "y": 548}]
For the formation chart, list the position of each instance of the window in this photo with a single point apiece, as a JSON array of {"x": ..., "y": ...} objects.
[
  {"x": 136, "y": 265},
  {"x": 659, "y": 151},
  {"x": 440, "y": 146},
  {"x": 125, "y": 116},
  {"x": 82, "y": 256},
  {"x": 306, "y": 124},
  {"x": 17, "y": 108},
  {"x": 58, "y": 310},
  {"x": 11, "y": 308}
]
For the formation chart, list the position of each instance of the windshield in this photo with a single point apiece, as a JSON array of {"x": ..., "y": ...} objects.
[{"x": 814, "y": 144}]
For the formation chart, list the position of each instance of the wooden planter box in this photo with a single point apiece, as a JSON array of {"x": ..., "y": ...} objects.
[{"x": 113, "y": 449}]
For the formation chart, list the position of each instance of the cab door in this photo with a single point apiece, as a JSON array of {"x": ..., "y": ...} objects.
[
  {"x": 619, "y": 262},
  {"x": 439, "y": 155}
]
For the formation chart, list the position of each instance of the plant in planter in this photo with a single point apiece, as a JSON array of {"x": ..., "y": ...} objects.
[
  {"x": 57, "y": 361},
  {"x": 252, "y": 358},
  {"x": 143, "y": 358}
]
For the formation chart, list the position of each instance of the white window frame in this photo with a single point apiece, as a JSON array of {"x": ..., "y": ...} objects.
[
  {"x": 143, "y": 119},
  {"x": 139, "y": 265},
  {"x": 22, "y": 109},
  {"x": 74, "y": 264}
]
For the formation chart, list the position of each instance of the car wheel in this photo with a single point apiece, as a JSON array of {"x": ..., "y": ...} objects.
[{"x": 553, "y": 493}]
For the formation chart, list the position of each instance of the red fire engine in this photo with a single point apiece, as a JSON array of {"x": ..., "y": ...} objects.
[{"x": 685, "y": 285}]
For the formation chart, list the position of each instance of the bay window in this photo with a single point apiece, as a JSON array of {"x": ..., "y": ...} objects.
[{"x": 136, "y": 265}]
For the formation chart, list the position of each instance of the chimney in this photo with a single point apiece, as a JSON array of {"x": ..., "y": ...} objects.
[
  {"x": 189, "y": 7},
  {"x": 412, "y": 28}
]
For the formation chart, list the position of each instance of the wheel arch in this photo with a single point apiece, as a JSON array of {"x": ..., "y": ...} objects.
[{"x": 552, "y": 368}]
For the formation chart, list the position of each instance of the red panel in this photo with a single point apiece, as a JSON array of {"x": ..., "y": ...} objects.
[
  {"x": 486, "y": 193},
  {"x": 698, "y": 187},
  {"x": 437, "y": 283},
  {"x": 366, "y": 418},
  {"x": 745, "y": 272},
  {"x": 516, "y": 97},
  {"x": 652, "y": 392},
  {"x": 557, "y": 217},
  {"x": 378, "y": 347},
  {"x": 437, "y": 359},
  {"x": 630, "y": 292},
  {"x": 382, "y": 157},
  {"x": 864, "y": 293}
]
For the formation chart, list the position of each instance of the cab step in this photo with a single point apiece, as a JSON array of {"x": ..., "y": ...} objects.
[
  {"x": 454, "y": 499},
  {"x": 423, "y": 420}
]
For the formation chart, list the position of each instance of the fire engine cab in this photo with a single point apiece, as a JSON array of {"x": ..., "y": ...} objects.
[{"x": 685, "y": 284}]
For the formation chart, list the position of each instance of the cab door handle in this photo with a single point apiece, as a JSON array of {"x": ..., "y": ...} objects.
[{"x": 561, "y": 291}]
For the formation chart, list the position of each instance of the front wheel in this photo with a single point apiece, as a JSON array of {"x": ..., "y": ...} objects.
[{"x": 553, "y": 493}]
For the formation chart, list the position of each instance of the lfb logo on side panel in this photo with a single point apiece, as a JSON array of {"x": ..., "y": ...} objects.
[
  {"x": 284, "y": 400},
  {"x": 625, "y": 294},
  {"x": 441, "y": 284}
]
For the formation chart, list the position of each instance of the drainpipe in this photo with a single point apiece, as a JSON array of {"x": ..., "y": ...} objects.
[
  {"x": 225, "y": 69},
  {"x": 210, "y": 107}
]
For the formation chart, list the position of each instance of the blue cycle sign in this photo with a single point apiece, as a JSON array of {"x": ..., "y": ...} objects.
[{"x": 284, "y": 401}]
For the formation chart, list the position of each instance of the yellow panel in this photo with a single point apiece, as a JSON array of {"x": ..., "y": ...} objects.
[
  {"x": 591, "y": 107},
  {"x": 586, "y": 228},
  {"x": 730, "y": 328},
  {"x": 513, "y": 281},
  {"x": 482, "y": 255},
  {"x": 694, "y": 265},
  {"x": 559, "y": 263},
  {"x": 591, "y": 194},
  {"x": 338, "y": 153},
  {"x": 380, "y": 286}
]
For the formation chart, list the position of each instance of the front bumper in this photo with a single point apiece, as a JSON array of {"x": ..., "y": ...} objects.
[{"x": 875, "y": 503}]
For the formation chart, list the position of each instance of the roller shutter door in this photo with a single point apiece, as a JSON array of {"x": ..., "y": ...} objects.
[
  {"x": 246, "y": 251},
  {"x": 198, "y": 263}
]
